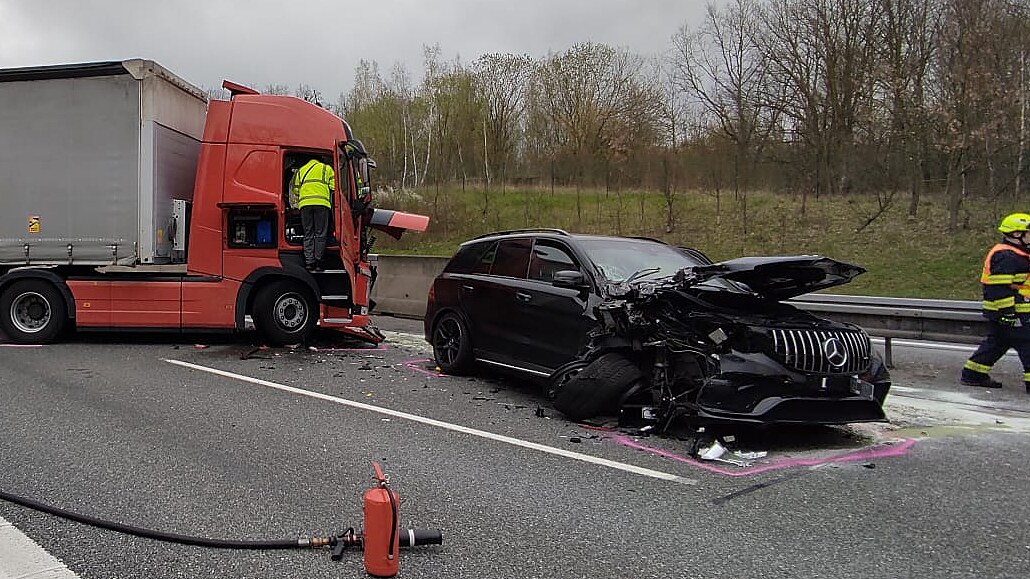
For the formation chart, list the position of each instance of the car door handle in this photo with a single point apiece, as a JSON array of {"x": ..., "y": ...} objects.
[
  {"x": 523, "y": 297},
  {"x": 466, "y": 288}
]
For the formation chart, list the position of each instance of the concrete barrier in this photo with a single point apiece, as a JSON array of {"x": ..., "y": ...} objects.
[{"x": 403, "y": 282}]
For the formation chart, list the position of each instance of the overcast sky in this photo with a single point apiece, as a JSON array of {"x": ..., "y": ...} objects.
[{"x": 319, "y": 42}]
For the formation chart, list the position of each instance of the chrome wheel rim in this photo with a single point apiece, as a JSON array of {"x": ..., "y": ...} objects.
[
  {"x": 30, "y": 312},
  {"x": 291, "y": 312}
]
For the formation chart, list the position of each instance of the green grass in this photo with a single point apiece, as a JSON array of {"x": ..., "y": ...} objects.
[{"x": 903, "y": 258}]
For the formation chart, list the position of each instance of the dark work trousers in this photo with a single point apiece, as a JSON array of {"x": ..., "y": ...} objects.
[
  {"x": 998, "y": 341},
  {"x": 315, "y": 221}
]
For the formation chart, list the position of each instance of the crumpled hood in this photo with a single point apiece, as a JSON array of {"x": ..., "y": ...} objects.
[{"x": 782, "y": 277}]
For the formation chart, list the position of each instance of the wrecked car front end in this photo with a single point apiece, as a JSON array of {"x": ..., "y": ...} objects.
[{"x": 714, "y": 349}]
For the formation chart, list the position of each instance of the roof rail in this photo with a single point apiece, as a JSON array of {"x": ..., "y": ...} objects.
[
  {"x": 643, "y": 238},
  {"x": 531, "y": 230}
]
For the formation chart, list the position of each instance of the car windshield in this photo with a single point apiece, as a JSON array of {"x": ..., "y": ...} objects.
[{"x": 620, "y": 260}]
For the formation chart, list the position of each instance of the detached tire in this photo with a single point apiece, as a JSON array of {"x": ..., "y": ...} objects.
[
  {"x": 596, "y": 389},
  {"x": 556, "y": 383},
  {"x": 32, "y": 311},
  {"x": 284, "y": 313},
  {"x": 452, "y": 344}
]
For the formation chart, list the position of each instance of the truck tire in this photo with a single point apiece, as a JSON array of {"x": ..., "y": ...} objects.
[
  {"x": 452, "y": 344},
  {"x": 596, "y": 389},
  {"x": 32, "y": 311},
  {"x": 284, "y": 313}
]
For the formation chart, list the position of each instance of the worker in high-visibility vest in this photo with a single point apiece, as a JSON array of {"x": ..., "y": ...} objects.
[
  {"x": 313, "y": 185},
  {"x": 1006, "y": 304}
]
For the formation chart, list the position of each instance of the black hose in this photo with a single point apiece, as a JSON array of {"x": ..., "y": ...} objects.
[
  {"x": 396, "y": 521},
  {"x": 156, "y": 535}
]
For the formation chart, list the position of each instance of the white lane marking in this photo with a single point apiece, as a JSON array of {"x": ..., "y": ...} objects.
[
  {"x": 446, "y": 425},
  {"x": 21, "y": 557}
]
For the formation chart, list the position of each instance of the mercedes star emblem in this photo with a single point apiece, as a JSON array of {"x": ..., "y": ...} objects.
[{"x": 836, "y": 355}]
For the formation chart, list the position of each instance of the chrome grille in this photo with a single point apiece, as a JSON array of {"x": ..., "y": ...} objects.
[{"x": 806, "y": 350}]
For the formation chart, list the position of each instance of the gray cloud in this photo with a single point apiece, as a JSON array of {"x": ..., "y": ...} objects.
[{"x": 319, "y": 42}]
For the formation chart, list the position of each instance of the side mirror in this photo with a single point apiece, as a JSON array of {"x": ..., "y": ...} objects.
[
  {"x": 353, "y": 149},
  {"x": 570, "y": 279}
]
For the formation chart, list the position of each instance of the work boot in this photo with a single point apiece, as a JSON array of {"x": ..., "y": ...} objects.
[
  {"x": 982, "y": 383},
  {"x": 977, "y": 379}
]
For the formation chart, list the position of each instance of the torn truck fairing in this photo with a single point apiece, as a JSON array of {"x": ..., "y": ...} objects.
[{"x": 714, "y": 343}]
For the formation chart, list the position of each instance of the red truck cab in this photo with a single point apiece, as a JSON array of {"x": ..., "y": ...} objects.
[{"x": 240, "y": 239}]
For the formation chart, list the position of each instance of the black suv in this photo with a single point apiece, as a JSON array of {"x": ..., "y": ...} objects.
[{"x": 615, "y": 325}]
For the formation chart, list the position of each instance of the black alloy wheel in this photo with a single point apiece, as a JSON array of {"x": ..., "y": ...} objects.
[{"x": 452, "y": 344}]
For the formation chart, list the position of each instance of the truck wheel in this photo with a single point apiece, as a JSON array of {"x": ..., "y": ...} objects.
[
  {"x": 284, "y": 313},
  {"x": 32, "y": 311},
  {"x": 596, "y": 389},
  {"x": 452, "y": 344}
]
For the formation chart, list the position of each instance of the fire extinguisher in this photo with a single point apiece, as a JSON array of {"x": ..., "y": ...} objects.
[{"x": 381, "y": 540}]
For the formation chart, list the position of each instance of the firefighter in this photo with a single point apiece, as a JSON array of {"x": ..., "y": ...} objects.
[
  {"x": 314, "y": 184},
  {"x": 1006, "y": 304}
]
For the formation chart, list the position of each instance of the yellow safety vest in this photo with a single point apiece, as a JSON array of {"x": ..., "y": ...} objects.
[
  {"x": 1016, "y": 292},
  {"x": 314, "y": 184}
]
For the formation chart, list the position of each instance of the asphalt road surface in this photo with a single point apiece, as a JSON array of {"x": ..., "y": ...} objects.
[{"x": 225, "y": 441}]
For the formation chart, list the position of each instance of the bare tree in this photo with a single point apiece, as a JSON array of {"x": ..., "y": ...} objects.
[
  {"x": 597, "y": 106},
  {"x": 722, "y": 66},
  {"x": 502, "y": 80},
  {"x": 905, "y": 40},
  {"x": 820, "y": 52}
]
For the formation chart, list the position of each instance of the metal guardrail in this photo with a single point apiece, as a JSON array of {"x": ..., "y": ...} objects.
[{"x": 916, "y": 319}]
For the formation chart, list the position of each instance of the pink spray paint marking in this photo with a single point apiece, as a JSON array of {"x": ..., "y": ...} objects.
[
  {"x": 412, "y": 365},
  {"x": 901, "y": 448}
]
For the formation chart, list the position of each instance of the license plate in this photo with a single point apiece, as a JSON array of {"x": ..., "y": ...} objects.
[{"x": 836, "y": 384}]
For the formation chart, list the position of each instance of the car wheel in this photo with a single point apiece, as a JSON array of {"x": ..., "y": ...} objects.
[
  {"x": 284, "y": 313},
  {"x": 452, "y": 344},
  {"x": 597, "y": 388},
  {"x": 561, "y": 377},
  {"x": 32, "y": 311}
]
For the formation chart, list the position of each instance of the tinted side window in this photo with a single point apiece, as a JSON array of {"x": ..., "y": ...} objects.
[
  {"x": 512, "y": 258},
  {"x": 473, "y": 258},
  {"x": 550, "y": 257}
]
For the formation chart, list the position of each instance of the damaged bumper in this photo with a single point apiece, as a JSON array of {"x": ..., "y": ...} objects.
[{"x": 753, "y": 388}]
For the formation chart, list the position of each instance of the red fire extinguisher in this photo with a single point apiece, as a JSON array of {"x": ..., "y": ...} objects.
[{"x": 382, "y": 540}]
